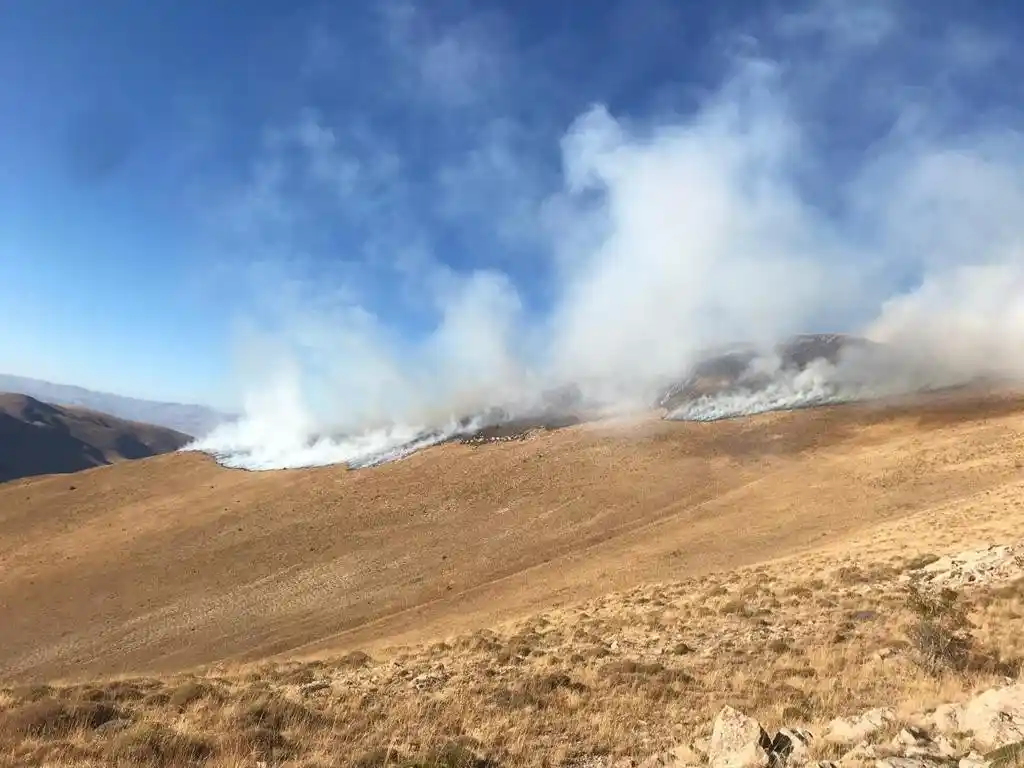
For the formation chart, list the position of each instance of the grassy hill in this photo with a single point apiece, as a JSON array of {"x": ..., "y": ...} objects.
[{"x": 585, "y": 596}]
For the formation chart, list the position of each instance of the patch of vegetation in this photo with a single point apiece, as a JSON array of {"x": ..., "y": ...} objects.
[
  {"x": 261, "y": 742},
  {"x": 537, "y": 692},
  {"x": 454, "y": 754},
  {"x": 1009, "y": 756},
  {"x": 187, "y": 693},
  {"x": 628, "y": 671},
  {"x": 276, "y": 713},
  {"x": 53, "y": 717},
  {"x": 158, "y": 745},
  {"x": 355, "y": 660},
  {"x": 941, "y": 633}
]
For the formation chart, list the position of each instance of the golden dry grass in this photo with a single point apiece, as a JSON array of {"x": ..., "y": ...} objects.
[
  {"x": 772, "y": 584},
  {"x": 629, "y": 674}
]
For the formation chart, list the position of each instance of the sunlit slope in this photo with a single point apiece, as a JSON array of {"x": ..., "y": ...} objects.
[{"x": 174, "y": 561}]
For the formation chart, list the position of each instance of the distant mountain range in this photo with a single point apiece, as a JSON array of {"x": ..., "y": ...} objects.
[
  {"x": 192, "y": 420},
  {"x": 37, "y": 438}
]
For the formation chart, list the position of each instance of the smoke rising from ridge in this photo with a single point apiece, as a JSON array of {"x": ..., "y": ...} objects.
[{"x": 663, "y": 237}]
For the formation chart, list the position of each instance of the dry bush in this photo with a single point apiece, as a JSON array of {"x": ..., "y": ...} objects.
[
  {"x": 187, "y": 693},
  {"x": 276, "y": 713},
  {"x": 1010, "y": 756},
  {"x": 941, "y": 634},
  {"x": 52, "y": 718},
  {"x": 154, "y": 744}
]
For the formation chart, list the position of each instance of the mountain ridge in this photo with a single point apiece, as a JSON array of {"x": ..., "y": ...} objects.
[
  {"x": 39, "y": 438},
  {"x": 192, "y": 419}
]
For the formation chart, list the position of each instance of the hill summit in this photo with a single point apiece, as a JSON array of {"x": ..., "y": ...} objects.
[{"x": 38, "y": 438}]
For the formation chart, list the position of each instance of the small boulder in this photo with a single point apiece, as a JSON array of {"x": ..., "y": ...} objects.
[
  {"x": 791, "y": 747},
  {"x": 915, "y": 742},
  {"x": 863, "y": 753},
  {"x": 974, "y": 760},
  {"x": 738, "y": 741},
  {"x": 995, "y": 717},
  {"x": 851, "y": 730}
]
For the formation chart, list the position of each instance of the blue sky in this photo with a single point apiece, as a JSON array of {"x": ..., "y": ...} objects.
[{"x": 196, "y": 194}]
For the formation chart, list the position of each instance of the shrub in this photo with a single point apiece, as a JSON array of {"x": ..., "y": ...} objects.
[
  {"x": 52, "y": 717},
  {"x": 158, "y": 745},
  {"x": 186, "y": 693},
  {"x": 941, "y": 634}
]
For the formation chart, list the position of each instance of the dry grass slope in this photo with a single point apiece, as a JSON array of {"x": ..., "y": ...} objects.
[{"x": 589, "y": 594}]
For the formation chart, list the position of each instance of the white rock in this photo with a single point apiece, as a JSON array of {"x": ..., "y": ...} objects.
[
  {"x": 850, "y": 730},
  {"x": 995, "y": 717},
  {"x": 738, "y": 741},
  {"x": 974, "y": 760},
  {"x": 945, "y": 747},
  {"x": 861, "y": 753},
  {"x": 997, "y": 562},
  {"x": 911, "y": 737}
]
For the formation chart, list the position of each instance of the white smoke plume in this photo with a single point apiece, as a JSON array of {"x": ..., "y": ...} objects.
[{"x": 661, "y": 238}]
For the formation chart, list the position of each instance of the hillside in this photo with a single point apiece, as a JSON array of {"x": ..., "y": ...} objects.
[
  {"x": 196, "y": 420},
  {"x": 583, "y": 597},
  {"x": 37, "y": 438}
]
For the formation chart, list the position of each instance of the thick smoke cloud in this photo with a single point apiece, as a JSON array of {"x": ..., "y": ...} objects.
[{"x": 661, "y": 238}]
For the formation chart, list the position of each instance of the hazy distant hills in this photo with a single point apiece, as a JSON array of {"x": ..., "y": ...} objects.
[
  {"x": 193, "y": 420},
  {"x": 37, "y": 438}
]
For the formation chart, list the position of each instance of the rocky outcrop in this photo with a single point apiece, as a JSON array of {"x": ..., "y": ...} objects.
[
  {"x": 986, "y": 731},
  {"x": 995, "y": 718},
  {"x": 994, "y": 563},
  {"x": 855, "y": 729}
]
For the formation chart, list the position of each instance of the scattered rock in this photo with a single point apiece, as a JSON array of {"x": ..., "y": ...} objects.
[
  {"x": 974, "y": 760},
  {"x": 911, "y": 737},
  {"x": 738, "y": 741},
  {"x": 791, "y": 747},
  {"x": 862, "y": 753},
  {"x": 945, "y": 747},
  {"x": 914, "y": 742},
  {"x": 851, "y": 730},
  {"x": 995, "y": 717},
  {"x": 998, "y": 562}
]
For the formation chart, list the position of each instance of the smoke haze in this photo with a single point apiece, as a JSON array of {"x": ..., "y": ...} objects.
[{"x": 662, "y": 237}]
